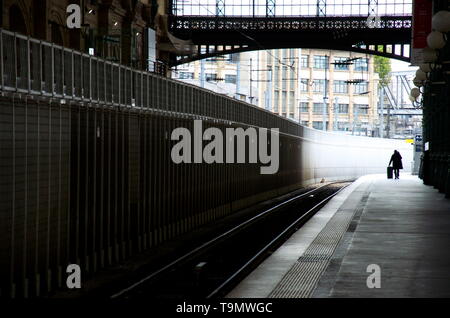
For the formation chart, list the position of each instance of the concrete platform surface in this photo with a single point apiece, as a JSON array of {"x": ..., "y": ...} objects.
[{"x": 377, "y": 238}]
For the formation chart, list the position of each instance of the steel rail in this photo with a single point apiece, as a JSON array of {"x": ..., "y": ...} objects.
[
  {"x": 219, "y": 291},
  {"x": 211, "y": 243}
]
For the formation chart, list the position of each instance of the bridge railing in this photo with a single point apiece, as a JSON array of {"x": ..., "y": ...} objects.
[{"x": 41, "y": 68}]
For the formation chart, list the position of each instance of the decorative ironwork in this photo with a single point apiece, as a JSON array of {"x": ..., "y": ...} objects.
[
  {"x": 270, "y": 8},
  {"x": 220, "y": 8},
  {"x": 252, "y": 25},
  {"x": 279, "y": 8},
  {"x": 368, "y": 49},
  {"x": 321, "y": 8},
  {"x": 284, "y": 24},
  {"x": 373, "y": 7}
]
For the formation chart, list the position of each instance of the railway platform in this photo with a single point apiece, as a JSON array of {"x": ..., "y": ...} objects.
[{"x": 377, "y": 238}]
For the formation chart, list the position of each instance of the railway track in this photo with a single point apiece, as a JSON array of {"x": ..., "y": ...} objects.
[{"x": 212, "y": 269}]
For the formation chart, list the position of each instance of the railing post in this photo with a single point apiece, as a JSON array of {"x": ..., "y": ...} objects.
[
  {"x": 41, "y": 68},
  {"x": 28, "y": 65},
  {"x": 112, "y": 80},
  {"x": 53, "y": 70},
  {"x": 96, "y": 80},
  {"x": 119, "y": 88},
  {"x": 72, "y": 82},
  {"x": 63, "y": 88},
  {"x": 81, "y": 76},
  {"x": 104, "y": 82},
  {"x": 90, "y": 78},
  {"x": 15, "y": 60},
  {"x": 147, "y": 89},
  {"x": 131, "y": 82},
  {"x": 142, "y": 89},
  {"x": 1, "y": 57}
]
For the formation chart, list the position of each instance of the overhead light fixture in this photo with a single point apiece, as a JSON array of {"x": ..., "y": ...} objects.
[
  {"x": 415, "y": 92},
  {"x": 421, "y": 75},
  {"x": 415, "y": 102},
  {"x": 115, "y": 23},
  {"x": 90, "y": 11},
  {"x": 441, "y": 21},
  {"x": 417, "y": 82},
  {"x": 426, "y": 67},
  {"x": 429, "y": 55},
  {"x": 436, "y": 40}
]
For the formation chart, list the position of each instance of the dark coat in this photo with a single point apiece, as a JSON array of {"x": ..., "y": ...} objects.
[{"x": 396, "y": 160}]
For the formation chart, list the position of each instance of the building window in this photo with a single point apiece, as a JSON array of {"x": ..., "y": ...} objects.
[
  {"x": 318, "y": 108},
  {"x": 341, "y": 67},
  {"x": 361, "y": 88},
  {"x": 277, "y": 55},
  {"x": 318, "y": 125},
  {"x": 291, "y": 101},
  {"x": 304, "y": 123},
  {"x": 292, "y": 53},
  {"x": 276, "y": 101},
  {"x": 319, "y": 85},
  {"x": 284, "y": 102},
  {"x": 342, "y": 108},
  {"x": 210, "y": 77},
  {"x": 361, "y": 65},
  {"x": 304, "y": 61},
  {"x": 343, "y": 126},
  {"x": 268, "y": 60},
  {"x": 228, "y": 58},
  {"x": 320, "y": 61},
  {"x": 361, "y": 108},
  {"x": 277, "y": 75},
  {"x": 304, "y": 107},
  {"x": 186, "y": 75},
  {"x": 284, "y": 77},
  {"x": 340, "y": 87},
  {"x": 304, "y": 85},
  {"x": 230, "y": 78}
]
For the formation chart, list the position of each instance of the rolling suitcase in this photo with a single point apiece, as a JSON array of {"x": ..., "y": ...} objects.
[{"x": 390, "y": 172}]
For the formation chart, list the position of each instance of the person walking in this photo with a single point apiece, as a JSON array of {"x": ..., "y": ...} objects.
[{"x": 396, "y": 160}]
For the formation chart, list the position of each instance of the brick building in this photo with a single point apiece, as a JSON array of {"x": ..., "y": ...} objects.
[{"x": 114, "y": 29}]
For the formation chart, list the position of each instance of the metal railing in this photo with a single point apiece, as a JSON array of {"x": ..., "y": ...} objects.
[
  {"x": 93, "y": 185},
  {"x": 37, "y": 67}
]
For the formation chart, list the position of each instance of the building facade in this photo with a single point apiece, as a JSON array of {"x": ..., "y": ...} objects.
[
  {"x": 111, "y": 29},
  {"x": 315, "y": 87},
  {"x": 227, "y": 74}
]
